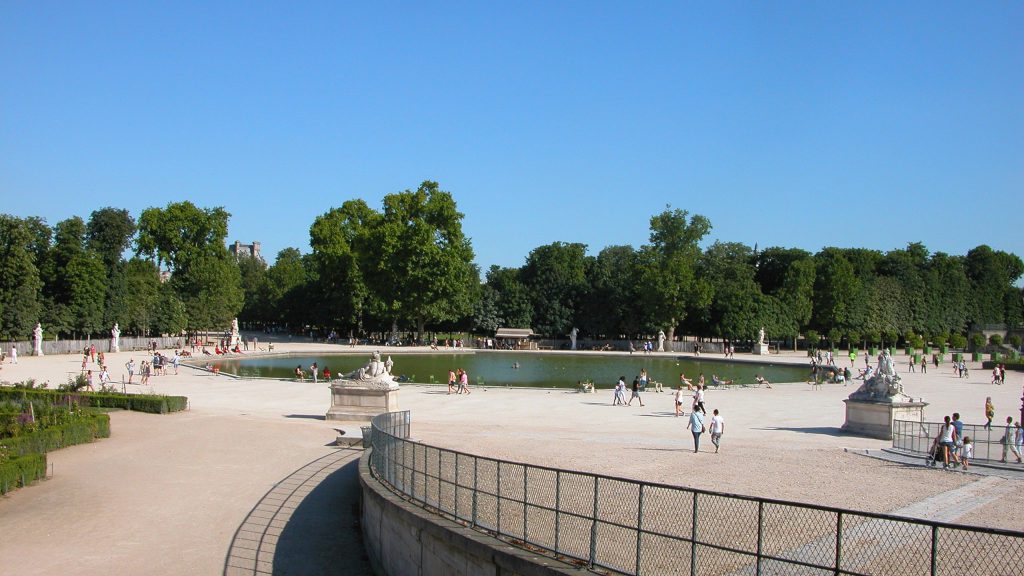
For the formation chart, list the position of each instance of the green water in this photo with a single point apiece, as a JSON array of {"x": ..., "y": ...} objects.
[{"x": 537, "y": 370}]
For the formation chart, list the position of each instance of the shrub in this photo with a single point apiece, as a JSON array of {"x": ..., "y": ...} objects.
[
  {"x": 83, "y": 429},
  {"x": 1015, "y": 340},
  {"x": 21, "y": 471},
  {"x": 977, "y": 340},
  {"x": 995, "y": 340},
  {"x": 813, "y": 339},
  {"x": 917, "y": 343},
  {"x": 151, "y": 403},
  {"x": 958, "y": 341}
]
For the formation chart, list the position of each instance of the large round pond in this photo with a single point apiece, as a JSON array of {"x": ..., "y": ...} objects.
[{"x": 521, "y": 369}]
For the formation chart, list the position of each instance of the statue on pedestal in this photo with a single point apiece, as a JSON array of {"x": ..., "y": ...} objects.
[
  {"x": 37, "y": 340},
  {"x": 661, "y": 340},
  {"x": 375, "y": 374},
  {"x": 572, "y": 337},
  {"x": 115, "y": 338},
  {"x": 884, "y": 385},
  {"x": 234, "y": 334},
  {"x": 760, "y": 335}
]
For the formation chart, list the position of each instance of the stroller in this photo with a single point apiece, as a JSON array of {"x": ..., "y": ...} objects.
[{"x": 935, "y": 453}]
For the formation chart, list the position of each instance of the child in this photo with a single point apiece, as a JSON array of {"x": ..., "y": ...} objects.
[{"x": 968, "y": 452}]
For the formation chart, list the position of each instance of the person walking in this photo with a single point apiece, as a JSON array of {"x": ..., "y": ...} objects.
[
  {"x": 924, "y": 365},
  {"x": 130, "y": 367},
  {"x": 451, "y": 380},
  {"x": 968, "y": 453},
  {"x": 990, "y": 412},
  {"x": 620, "y": 392},
  {"x": 636, "y": 393},
  {"x": 717, "y": 429},
  {"x": 1009, "y": 440},
  {"x": 698, "y": 399},
  {"x": 14, "y": 354},
  {"x": 463, "y": 381},
  {"x": 696, "y": 426},
  {"x": 679, "y": 400},
  {"x": 958, "y": 424},
  {"x": 314, "y": 370}
]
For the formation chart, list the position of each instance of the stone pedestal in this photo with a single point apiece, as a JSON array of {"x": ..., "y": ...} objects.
[
  {"x": 352, "y": 403},
  {"x": 874, "y": 418},
  {"x": 761, "y": 348}
]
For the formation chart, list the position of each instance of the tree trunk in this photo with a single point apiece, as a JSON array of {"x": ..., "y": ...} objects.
[{"x": 670, "y": 334}]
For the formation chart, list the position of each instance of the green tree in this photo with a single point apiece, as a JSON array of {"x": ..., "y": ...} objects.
[
  {"x": 210, "y": 289},
  {"x": 285, "y": 281},
  {"x": 342, "y": 247},
  {"x": 555, "y": 278},
  {"x": 991, "y": 274},
  {"x": 728, "y": 268},
  {"x": 76, "y": 294},
  {"x": 667, "y": 270},
  {"x": 20, "y": 286},
  {"x": 255, "y": 286},
  {"x": 837, "y": 292},
  {"x": 109, "y": 233},
  {"x": 135, "y": 296},
  {"x": 180, "y": 233},
  {"x": 512, "y": 297},
  {"x": 422, "y": 266},
  {"x": 611, "y": 306}
]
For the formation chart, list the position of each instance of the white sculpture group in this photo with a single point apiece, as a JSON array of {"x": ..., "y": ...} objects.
[{"x": 375, "y": 374}]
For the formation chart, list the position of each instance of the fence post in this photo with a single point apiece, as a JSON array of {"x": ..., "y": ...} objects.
[
  {"x": 475, "y": 462},
  {"x": 456, "y": 486},
  {"x": 839, "y": 543},
  {"x": 693, "y": 538},
  {"x": 593, "y": 527},
  {"x": 935, "y": 549},
  {"x": 558, "y": 505},
  {"x": 497, "y": 501},
  {"x": 639, "y": 528},
  {"x": 412, "y": 479},
  {"x": 526, "y": 471},
  {"x": 760, "y": 534}
]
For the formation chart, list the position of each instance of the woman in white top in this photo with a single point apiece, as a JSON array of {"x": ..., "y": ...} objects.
[{"x": 679, "y": 400}]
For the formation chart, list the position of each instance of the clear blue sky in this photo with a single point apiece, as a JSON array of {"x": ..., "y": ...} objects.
[{"x": 799, "y": 124}]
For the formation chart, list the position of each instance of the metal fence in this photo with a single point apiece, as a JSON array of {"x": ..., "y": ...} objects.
[
  {"x": 917, "y": 437},
  {"x": 55, "y": 347},
  {"x": 640, "y": 528}
]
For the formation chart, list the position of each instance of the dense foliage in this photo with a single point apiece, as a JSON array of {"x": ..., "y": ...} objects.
[{"x": 409, "y": 268}]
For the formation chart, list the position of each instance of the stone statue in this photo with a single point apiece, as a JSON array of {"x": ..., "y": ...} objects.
[
  {"x": 115, "y": 338},
  {"x": 884, "y": 385},
  {"x": 760, "y": 335},
  {"x": 234, "y": 334},
  {"x": 375, "y": 374},
  {"x": 37, "y": 340},
  {"x": 572, "y": 337},
  {"x": 661, "y": 340}
]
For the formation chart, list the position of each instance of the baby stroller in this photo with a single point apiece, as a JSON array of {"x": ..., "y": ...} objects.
[{"x": 935, "y": 454}]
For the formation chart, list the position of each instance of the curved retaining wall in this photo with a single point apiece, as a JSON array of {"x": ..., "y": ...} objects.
[{"x": 402, "y": 539}]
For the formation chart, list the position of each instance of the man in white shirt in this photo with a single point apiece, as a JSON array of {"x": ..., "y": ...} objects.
[{"x": 717, "y": 429}]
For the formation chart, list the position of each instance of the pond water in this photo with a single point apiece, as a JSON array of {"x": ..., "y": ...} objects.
[{"x": 534, "y": 370}]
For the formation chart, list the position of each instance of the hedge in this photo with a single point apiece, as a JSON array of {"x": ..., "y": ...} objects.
[
  {"x": 21, "y": 471},
  {"x": 1010, "y": 365},
  {"x": 80, "y": 431},
  {"x": 153, "y": 404}
]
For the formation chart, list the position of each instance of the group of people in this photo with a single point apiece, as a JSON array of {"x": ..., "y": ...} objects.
[
  {"x": 155, "y": 366},
  {"x": 956, "y": 449},
  {"x": 999, "y": 374},
  {"x": 458, "y": 380},
  {"x": 314, "y": 372}
]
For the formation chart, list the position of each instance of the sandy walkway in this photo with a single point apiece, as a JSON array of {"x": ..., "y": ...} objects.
[{"x": 166, "y": 494}]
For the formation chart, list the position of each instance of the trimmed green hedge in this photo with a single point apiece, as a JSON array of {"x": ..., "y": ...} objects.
[
  {"x": 989, "y": 364},
  {"x": 21, "y": 471},
  {"x": 80, "y": 431},
  {"x": 153, "y": 404}
]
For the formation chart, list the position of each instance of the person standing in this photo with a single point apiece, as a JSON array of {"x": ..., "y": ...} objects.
[
  {"x": 696, "y": 426},
  {"x": 643, "y": 379},
  {"x": 1009, "y": 440},
  {"x": 14, "y": 354},
  {"x": 636, "y": 393},
  {"x": 679, "y": 400},
  {"x": 314, "y": 370},
  {"x": 130, "y": 367},
  {"x": 717, "y": 429},
  {"x": 463, "y": 381},
  {"x": 924, "y": 365},
  {"x": 698, "y": 400},
  {"x": 175, "y": 361},
  {"x": 958, "y": 444},
  {"x": 990, "y": 412},
  {"x": 946, "y": 439},
  {"x": 451, "y": 380}
]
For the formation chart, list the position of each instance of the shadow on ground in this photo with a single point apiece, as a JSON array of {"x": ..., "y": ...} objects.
[
  {"x": 308, "y": 524},
  {"x": 826, "y": 430}
]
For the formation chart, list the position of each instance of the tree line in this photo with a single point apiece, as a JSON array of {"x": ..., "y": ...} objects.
[{"x": 409, "y": 268}]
